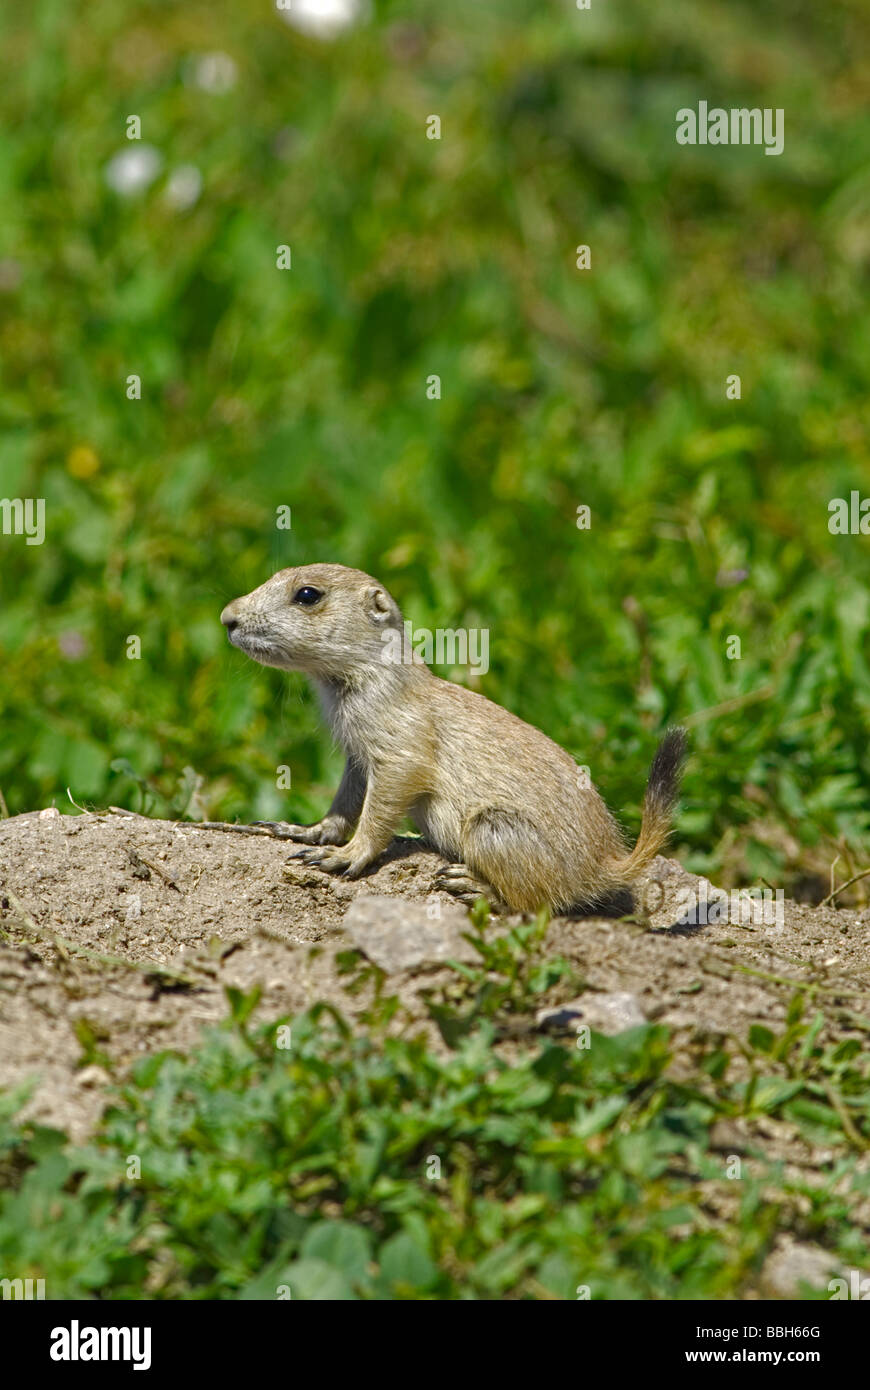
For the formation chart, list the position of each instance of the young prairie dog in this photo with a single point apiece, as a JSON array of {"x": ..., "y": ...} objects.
[{"x": 495, "y": 796}]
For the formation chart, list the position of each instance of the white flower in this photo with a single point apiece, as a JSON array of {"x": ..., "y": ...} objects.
[
  {"x": 132, "y": 170},
  {"x": 322, "y": 18},
  {"x": 183, "y": 187},
  {"x": 214, "y": 72}
]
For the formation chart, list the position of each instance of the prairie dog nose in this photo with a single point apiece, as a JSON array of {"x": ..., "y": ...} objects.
[{"x": 229, "y": 618}]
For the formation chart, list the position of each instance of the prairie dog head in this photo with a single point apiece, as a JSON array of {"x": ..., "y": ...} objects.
[{"x": 325, "y": 620}]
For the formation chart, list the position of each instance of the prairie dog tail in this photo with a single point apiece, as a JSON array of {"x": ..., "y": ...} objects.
[{"x": 659, "y": 802}]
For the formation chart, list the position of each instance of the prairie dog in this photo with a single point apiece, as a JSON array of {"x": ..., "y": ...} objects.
[{"x": 495, "y": 796}]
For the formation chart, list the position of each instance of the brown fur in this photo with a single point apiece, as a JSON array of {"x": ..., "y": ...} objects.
[{"x": 490, "y": 792}]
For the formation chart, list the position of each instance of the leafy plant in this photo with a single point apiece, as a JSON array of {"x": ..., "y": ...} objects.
[{"x": 367, "y": 1167}]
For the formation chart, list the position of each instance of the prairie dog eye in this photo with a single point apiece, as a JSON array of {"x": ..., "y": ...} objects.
[{"x": 307, "y": 596}]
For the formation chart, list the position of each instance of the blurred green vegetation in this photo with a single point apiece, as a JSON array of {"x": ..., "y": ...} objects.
[{"x": 307, "y": 388}]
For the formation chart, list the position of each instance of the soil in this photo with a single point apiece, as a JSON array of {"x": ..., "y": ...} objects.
[{"x": 119, "y": 934}]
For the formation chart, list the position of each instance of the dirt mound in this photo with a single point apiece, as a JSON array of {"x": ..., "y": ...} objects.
[{"x": 119, "y": 934}]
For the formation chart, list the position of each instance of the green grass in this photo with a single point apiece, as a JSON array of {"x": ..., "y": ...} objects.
[{"x": 307, "y": 388}]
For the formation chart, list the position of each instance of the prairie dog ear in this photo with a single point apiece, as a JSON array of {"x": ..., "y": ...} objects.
[{"x": 378, "y": 605}]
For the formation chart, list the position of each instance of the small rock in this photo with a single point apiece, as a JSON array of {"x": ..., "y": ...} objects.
[
  {"x": 49, "y": 813},
  {"x": 132, "y": 903},
  {"x": 605, "y": 1013},
  {"x": 93, "y": 1076},
  {"x": 399, "y": 935},
  {"x": 789, "y": 1265},
  {"x": 665, "y": 890}
]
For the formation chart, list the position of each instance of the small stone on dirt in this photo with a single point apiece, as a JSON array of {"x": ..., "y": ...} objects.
[
  {"x": 93, "y": 1076},
  {"x": 398, "y": 935},
  {"x": 791, "y": 1265},
  {"x": 606, "y": 1013}
]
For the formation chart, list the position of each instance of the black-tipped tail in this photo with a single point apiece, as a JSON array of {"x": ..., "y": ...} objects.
[{"x": 659, "y": 803}]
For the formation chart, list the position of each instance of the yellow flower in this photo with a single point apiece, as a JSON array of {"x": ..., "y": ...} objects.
[{"x": 82, "y": 461}]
